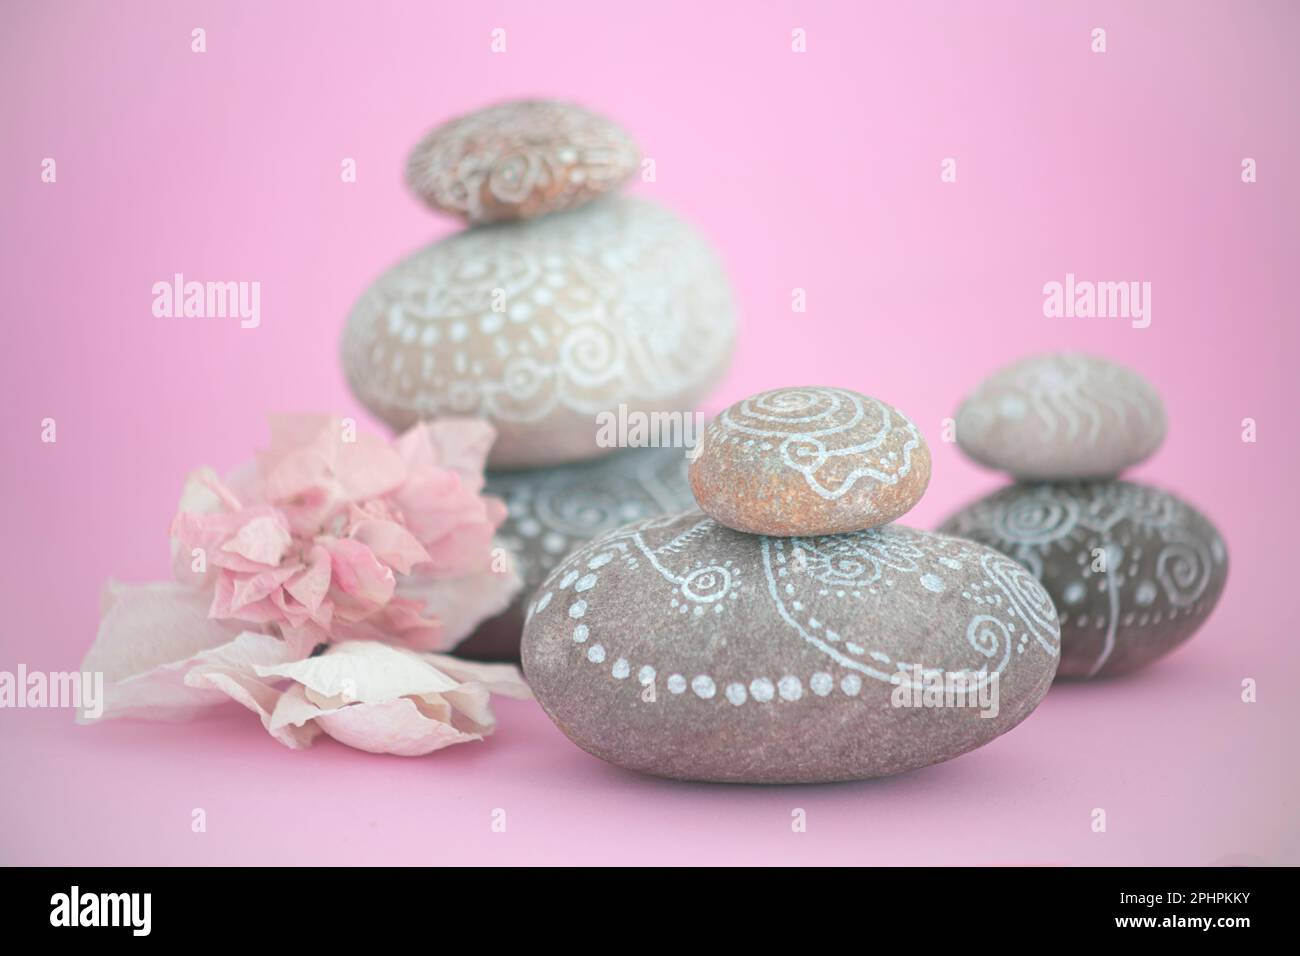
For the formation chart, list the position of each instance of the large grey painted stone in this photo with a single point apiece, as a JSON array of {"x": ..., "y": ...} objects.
[
  {"x": 1062, "y": 415},
  {"x": 540, "y": 326},
  {"x": 1165, "y": 565},
  {"x": 552, "y": 511},
  {"x": 679, "y": 647}
]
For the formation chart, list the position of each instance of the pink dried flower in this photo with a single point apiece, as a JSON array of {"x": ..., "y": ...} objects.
[
  {"x": 329, "y": 538},
  {"x": 335, "y": 535}
]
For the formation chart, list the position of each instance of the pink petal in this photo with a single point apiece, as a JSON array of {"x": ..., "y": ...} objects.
[
  {"x": 385, "y": 700},
  {"x": 251, "y": 588},
  {"x": 403, "y": 622},
  {"x": 460, "y": 550},
  {"x": 390, "y": 543},
  {"x": 149, "y": 638},
  {"x": 204, "y": 493},
  {"x": 210, "y": 532},
  {"x": 358, "y": 573},
  {"x": 369, "y": 467},
  {"x": 503, "y": 679},
  {"x": 226, "y": 603},
  {"x": 310, "y": 585},
  {"x": 264, "y": 539},
  {"x": 393, "y": 727},
  {"x": 462, "y": 603},
  {"x": 432, "y": 504},
  {"x": 291, "y": 613},
  {"x": 303, "y": 639},
  {"x": 237, "y": 679},
  {"x": 363, "y": 672},
  {"x": 458, "y": 444}
]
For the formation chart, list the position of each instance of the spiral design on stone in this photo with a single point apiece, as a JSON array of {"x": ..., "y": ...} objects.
[
  {"x": 1037, "y": 520},
  {"x": 579, "y": 512},
  {"x": 1027, "y": 598},
  {"x": 521, "y": 154},
  {"x": 591, "y": 356},
  {"x": 986, "y": 634},
  {"x": 803, "y": 453},
  {"x": 840, "y": 560},
  {"x": 514, "y": 176},
  {"x": 790, "y": 403},
  {"x": 851, "y": 569},
  {"x": 523, "y": 378},
  {"x": 617, "y": 301},
  {"x": 706, "y": 585},
  {"x": 805, "y": 407},
  {"x": 1183, "y": 570}
]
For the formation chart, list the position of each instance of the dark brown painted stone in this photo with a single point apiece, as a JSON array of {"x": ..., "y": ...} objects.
[{"x": 1165, "y": 565}]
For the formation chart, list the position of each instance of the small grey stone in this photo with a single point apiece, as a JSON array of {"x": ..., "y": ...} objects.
[
  {"x": 773, "y": 660},
  {"x": 552, "y": 511},
  {"x": 809, "y": 461},
  {"x": 1062, "y": 415},
  {"x": 1165, "y": 565}
]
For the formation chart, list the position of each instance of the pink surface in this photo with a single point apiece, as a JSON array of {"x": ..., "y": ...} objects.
[{"x": 818, "y": 171}]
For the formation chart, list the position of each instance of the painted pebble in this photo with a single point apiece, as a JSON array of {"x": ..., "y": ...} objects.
[
  {"x": 553, "y": 511},
  {"x": 520, "y": 159},
  {"x": 540, "y": 326},
  {"x": 682, "y": 648},
  {"x": 1133, "y": 571},
  {"x": 1062, "y": 415},
  {"x": 808, "y": 461}
]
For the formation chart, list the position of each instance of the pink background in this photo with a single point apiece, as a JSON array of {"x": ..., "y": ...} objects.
[{"x": 818, "y": 171}]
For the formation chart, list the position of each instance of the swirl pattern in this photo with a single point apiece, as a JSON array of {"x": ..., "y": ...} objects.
[
  {"x": 809, "y": 461},
  {"x": 1038, "y": 520},
  {"x": 1025, "y": 595},
  {"x": 1062, "y": 415},
  {"x": 539, "y": 326},
  {"x": 814, "y": 426},
  {"x": 1131, "y": 569},
  {"x": 1184, "y": 569},
  {"x": 829, "y": 597},
  {"x": 987, "y": 634},
  {"x": 550, "y": 513},
  {"x": 518, "y": 160}
]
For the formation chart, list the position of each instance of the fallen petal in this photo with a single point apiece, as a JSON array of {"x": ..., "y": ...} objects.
[
  {"x": 393, "y": 727},
  {"x": 462, "y": 603},
  {"x": 148, "y": 637}
]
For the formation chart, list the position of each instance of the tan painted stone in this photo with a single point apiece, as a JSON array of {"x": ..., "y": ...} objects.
[
  {"x": 520, "y": 159},
  {"x": 798, "y": 461},
  {"x": 540, "y": 326}
]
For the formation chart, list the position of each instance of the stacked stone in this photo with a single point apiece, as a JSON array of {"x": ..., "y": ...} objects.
[
  {"x": 1132, "y": 570},
  {"x": 563, "y": 300},
  {"x": 786, "y": 632}
]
